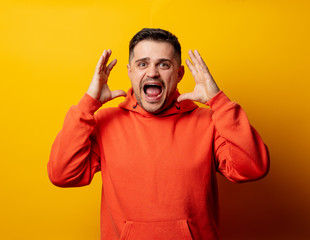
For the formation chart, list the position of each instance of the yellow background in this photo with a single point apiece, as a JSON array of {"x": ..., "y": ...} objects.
[{"x": 257, "y": 50}]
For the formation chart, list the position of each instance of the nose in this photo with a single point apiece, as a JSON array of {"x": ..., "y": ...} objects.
[{"x": 152, "y": 71}]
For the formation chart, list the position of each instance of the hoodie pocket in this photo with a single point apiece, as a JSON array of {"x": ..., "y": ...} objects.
[{"x": 158, "y": 230}]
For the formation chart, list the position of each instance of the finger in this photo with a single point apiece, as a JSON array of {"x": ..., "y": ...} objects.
[
  {"x": 196, "y": 63},
  {"x": 186, "y": 96},
  {"x": 103, "y": 57},
  {"x": 107, "y": 54},
  {"x": 201, "y": 61},
  {"x": 190, "y": 66},
  {"x": 118, "y": 93},
  {"x": 99, "y": 64},
  {"x": 194, "y": 59},
  {"x": 110, "y": 66}
]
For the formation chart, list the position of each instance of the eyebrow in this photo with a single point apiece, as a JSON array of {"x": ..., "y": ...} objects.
[
  {"x": 159, "y": 60},
  {"x": 143, "y": 59}
]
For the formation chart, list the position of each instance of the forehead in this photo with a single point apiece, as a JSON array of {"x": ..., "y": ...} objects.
[{"x": 153, "y": 50}]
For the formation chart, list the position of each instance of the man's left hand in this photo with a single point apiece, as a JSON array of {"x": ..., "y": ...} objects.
[{"x": 206, "y": 87}]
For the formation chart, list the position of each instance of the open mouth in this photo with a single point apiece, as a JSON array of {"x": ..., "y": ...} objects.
[{"x": 152, "y": 90}]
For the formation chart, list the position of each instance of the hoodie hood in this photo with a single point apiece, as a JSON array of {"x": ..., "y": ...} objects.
[{"x": 170, "y": 108}]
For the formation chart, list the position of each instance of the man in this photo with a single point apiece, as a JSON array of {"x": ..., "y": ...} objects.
[{"x": 158, "y": 152}]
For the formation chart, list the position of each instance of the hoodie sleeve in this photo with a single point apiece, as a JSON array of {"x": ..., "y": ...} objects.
[
  {"x": 240, "y": 153},
  {"x": 74, "y": 157}
]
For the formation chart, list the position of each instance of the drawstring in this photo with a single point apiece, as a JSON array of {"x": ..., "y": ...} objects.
[{"x": 135, "y": 106}]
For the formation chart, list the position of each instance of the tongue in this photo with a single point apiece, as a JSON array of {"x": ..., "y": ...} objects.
[{"x": 153, "y": 91}]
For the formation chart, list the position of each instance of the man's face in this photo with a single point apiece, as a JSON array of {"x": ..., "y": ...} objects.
[{"x": 154, "y": 74}]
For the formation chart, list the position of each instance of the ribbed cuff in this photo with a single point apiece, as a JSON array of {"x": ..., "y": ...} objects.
[
  {"x": 88, "y": 104},
  {"x": 218, "y": 101}
]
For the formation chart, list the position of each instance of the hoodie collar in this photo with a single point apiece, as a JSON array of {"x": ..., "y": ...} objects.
[{"x": 170, "y": 108}]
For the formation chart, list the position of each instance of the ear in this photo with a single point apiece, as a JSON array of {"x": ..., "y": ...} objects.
[
  {"x": 129, "y": 70},
  {"x": 181, "y": 72}
]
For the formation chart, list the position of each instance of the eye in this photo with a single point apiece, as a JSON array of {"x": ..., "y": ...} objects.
[
  {"x": 142, "y": 64},
  {"x": 164, "y": 65}
]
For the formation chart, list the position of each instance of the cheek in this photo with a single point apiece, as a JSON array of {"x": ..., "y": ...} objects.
[
  {"x": 172, "y": 81},
  {"x": 136, "y": 78}
]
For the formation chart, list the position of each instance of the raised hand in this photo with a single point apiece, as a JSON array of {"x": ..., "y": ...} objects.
[
  {"x": 98, "y": 87},
  {"x": 205, "y": 87}
]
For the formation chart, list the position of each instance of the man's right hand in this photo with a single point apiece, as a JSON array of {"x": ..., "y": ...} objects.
[{"x": 98, "y": 88}]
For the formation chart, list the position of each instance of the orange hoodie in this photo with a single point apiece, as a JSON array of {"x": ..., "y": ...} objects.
[{"x": 158, "y": 171}]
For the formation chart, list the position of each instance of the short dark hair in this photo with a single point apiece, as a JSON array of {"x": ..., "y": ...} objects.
[{"x": 156, "y": 34}]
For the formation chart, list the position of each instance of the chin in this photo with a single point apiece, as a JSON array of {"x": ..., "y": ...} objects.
[{"x": 152, "y": 107}]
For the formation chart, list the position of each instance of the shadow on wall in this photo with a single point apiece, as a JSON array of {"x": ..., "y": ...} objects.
[{"x": 271, "y": 208}]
